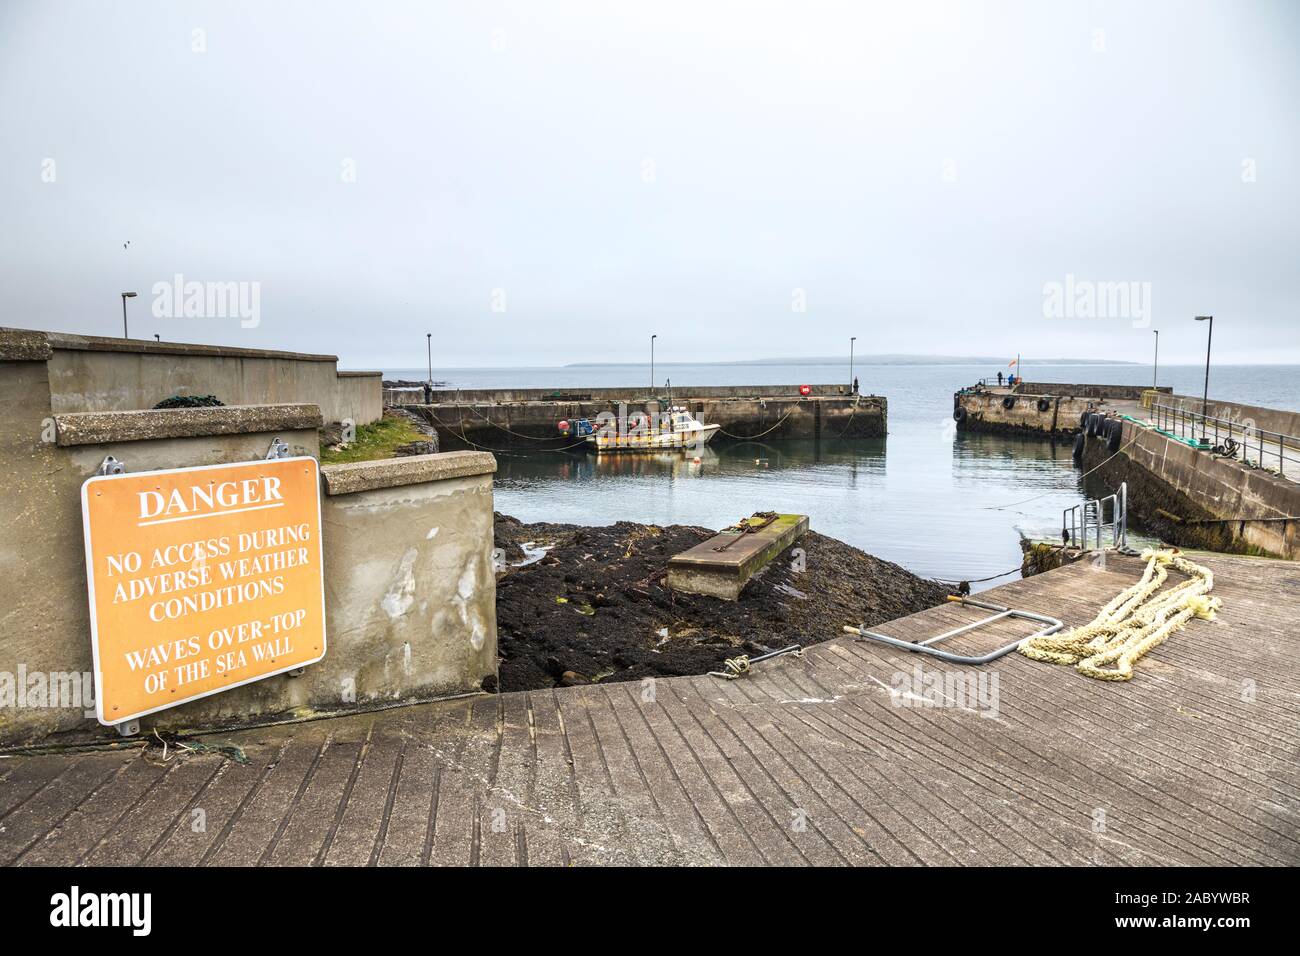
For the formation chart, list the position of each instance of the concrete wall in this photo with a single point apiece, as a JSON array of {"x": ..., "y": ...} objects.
[
  {"x": 1182, "y": 494},
  {"x": 380, "y": 545},
  {"x": 1268, "y": 419},
  {"x": 641, "y": 394},
  {"x": 44, "y": 611},
  {"x": 410, "y": 587},
  {"x": 94, "y": 374},
  {"x": 533, "y": 424},
  {"x": 985, "y": 413},
  {"x": 1115, "y": 392},
  {"x": 358, "y": 396}
]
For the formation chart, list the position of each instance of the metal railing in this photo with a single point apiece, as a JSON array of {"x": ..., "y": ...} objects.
[
  {"x": 1088, "y": 521},
  {"x": 1237, "y": 440}
]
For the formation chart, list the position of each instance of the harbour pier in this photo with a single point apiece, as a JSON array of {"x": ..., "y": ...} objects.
[
  {"x": 496, "y": 419},
  {"x": 1217, "y": 475}
]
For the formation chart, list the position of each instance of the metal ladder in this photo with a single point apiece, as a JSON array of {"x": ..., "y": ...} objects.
[{"x": 1087, "y": 522}]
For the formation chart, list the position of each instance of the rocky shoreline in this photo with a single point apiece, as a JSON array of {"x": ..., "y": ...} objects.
[{"x": 585, "y": 604}]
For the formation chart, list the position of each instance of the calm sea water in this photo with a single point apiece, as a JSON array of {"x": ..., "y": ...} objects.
[{"x": 941, "y": 504}]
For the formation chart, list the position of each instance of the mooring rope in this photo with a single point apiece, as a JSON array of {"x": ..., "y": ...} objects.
[
  {"x": 1139, "y": 618},
  {"x": 496, "y": 451},
  {"x": 1059, "y": 491},
  {"x": 760, "y": 434}
]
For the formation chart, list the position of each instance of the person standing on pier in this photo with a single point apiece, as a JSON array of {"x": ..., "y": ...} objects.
[{"x": 999, "y": 378}]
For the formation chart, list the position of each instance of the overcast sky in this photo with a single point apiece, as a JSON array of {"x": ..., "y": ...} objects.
[{"x": 541, "y": 183}]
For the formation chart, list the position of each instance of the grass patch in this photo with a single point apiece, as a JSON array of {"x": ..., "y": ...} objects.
[{"x": 374, "y": 441}]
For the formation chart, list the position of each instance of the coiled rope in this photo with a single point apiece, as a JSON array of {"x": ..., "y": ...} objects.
[{"x": 1135, "y": 621}]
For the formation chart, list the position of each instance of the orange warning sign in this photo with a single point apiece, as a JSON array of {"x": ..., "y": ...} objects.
[{"x": 200, "y": 580}]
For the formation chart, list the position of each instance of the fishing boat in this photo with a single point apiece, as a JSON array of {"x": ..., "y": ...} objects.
[{"x": 677, "y": 429}]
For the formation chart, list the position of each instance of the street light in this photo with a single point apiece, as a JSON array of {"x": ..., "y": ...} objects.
[
  {"x": 125, "y": 296},
  {"x": 652, "y": 365},
  {"x": 429, "y": 342},
  {"x": 1205, "y": 397},
  {"x": 852, "y": 339},
  {"x": 1155, "y": 362}
]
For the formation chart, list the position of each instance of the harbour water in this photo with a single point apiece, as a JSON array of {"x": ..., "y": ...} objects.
[{"x": 942, "y": 504}]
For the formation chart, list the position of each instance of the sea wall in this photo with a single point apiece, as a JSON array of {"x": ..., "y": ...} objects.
[
  {"x": 1115, "y": 392},
  {"x": 1042, "y": 415},
  {"x": 534, "y": 424},
  {"x": 1269, "y": 419},
  {"x": 1192, "y": 498},
  {"x": 95, "y": 374},
  {"x": 407, "y": 545},
  {"x": 1044, "y": 409},
  {"x": 639, "y": 394}
]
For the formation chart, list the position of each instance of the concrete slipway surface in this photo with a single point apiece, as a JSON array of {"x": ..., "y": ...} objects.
[{"x": 808, "y": 760}]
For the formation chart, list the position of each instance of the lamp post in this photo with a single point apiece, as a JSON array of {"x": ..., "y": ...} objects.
[
  {"x": 652, "y": 365},
  {"x": 1205, "y": 396},
  {"x": 852, "y": 339},
  {"x": 1155, "y": 362},
  {"x": 428, "y": 337},
  {"x": 125, "y": 296}
]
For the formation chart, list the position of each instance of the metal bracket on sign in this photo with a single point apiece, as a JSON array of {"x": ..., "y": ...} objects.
[
  {"x": 296, "y": 672},
  {"x": 278, "y": 449},
  {"x": 128, "y": 728},
  {"x": 111, "y": 466}
]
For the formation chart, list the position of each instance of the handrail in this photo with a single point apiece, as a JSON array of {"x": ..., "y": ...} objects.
[
  {"x": 1229, "y": 439},
  {"x": 1087, "y": 520}
]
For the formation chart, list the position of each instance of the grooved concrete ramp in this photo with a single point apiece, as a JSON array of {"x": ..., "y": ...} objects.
[{"x": 835, "y": 758}]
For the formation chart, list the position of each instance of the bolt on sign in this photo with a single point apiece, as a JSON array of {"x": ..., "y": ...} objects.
[{"x": 200, "y": 580}]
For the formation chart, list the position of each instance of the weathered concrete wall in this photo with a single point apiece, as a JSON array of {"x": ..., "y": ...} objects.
[
  {"x": 533, "y": 424},
  {"x": 359, "y": 396},
  {"x": 984, "y": 412},
  {"x": 44, "y": 612},
  {"x": 604, "y": 396},
  {"x": 1183, "y": 494},
  {"x": 1269, "y": 419},
  {"x": 93, "y": 374},
  {"x": 1119, "y": 392},
  {"x": 410, "y": 589}
]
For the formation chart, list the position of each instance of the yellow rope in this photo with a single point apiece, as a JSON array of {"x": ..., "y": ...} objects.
[
  {"x": 1133, "y": 622},
  {"x": 760, "y": 434}
]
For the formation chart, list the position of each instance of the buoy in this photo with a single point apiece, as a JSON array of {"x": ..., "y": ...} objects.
[
  {"x": 696, "y": 459},
  {"x": 564, "y": 425}
]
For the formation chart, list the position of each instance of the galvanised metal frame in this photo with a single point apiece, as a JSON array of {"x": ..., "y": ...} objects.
[
  {"x": 1088, "y": 519},
  {"x": 1052, "y": 625}
]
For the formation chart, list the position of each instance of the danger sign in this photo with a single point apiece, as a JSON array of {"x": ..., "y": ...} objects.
[{"x": 200, "y": 580}]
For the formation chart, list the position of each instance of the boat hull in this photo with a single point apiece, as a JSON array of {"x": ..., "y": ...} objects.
[{"x": 672, "y": 441}]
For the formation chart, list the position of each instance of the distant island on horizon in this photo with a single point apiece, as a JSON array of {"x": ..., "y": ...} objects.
[{"x": 868, "y": 360}]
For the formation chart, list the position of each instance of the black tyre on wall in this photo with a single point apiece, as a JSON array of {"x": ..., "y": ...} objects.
[
  {"x": 959, "y": 414},
  {"x": 1115, "y": 436},
  {"x": 1009, "y": 401},
  {"x": 1077, "y": 453},
  {"x": 1044, "y": 403}
]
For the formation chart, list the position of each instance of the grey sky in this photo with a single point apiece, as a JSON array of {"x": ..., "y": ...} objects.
[{"x": 919, "y": 170}]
